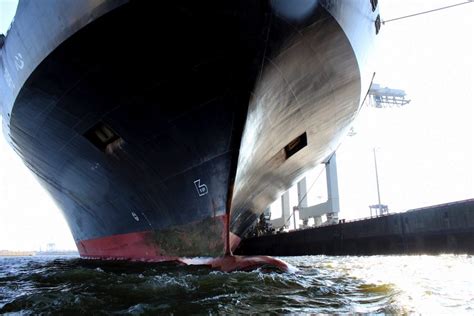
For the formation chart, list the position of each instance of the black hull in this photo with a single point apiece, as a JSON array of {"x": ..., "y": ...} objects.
[{"x": 135, "y": 122}]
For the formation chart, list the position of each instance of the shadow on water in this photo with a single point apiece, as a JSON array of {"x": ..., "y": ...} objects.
[{"x": 77, "y": 286}]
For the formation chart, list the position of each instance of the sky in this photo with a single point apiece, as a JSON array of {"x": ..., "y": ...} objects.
[{"x": 424, "y": 150}]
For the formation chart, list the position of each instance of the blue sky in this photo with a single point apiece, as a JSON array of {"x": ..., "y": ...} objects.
[{"x": 425, "y": 153}]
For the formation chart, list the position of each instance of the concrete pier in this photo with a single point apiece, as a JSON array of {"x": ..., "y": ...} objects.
[{"x": 445, "y": 228}]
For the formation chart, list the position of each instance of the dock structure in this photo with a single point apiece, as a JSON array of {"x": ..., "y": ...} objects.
[
  {"x": 445, "y": 228},
  {"x": 329, "y": 208}
]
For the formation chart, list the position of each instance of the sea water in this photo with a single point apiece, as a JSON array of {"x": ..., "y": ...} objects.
[{"x": 428, "y": 285}]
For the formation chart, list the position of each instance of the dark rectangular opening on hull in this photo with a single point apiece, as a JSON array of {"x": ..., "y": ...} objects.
[
  {"x": 296, "y": 145},
  {"x": 377, "y": 24},
  {"x": 374, "y": 4},
  {"x": 101, "y": 135}
]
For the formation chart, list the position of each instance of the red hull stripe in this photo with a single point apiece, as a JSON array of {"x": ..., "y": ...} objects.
[
  {"x": 134, "y": 246},
  {"x": 140, "y": 247}
]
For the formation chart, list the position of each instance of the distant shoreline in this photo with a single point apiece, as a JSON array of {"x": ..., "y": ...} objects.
[{"x": 10, "y": 253}]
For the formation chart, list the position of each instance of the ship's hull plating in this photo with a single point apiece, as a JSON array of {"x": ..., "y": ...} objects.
[{"x": 197, "y": 103}]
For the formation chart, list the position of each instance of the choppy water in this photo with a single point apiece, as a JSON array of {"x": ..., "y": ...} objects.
[{"x": 379, "y": 284}]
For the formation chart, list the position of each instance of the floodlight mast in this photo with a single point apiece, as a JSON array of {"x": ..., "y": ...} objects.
[{"x": 382, "y": 98}]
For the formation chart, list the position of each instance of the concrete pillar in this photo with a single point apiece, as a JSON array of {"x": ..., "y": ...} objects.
[
  {"x": 285, "y": 208},
  {"x": 302, "y": 199},
  {"x": 331, "y": 206},
  {"x": 332, "y": 185},
  {"x": 302, "y": 193},
  {"x": 318, "y": 221},
  {"x": 283, "y": 221}
]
